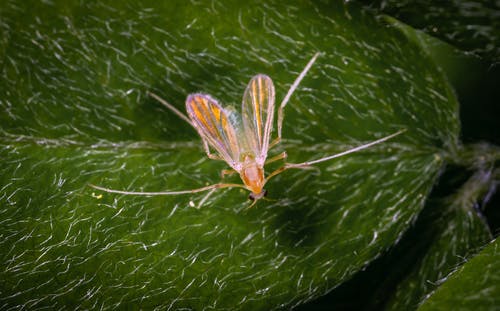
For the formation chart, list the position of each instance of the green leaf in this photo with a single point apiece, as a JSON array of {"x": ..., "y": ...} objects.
[
  {"x": 447, "y": 230},
  {"x": 74, "y": 111},
  {"x": 475, "y": 286},
  {"x": 471, "y": 25},
  {"x": 452, "y": 229},
  {"x": 451, "y": 232},
  {"x": 473, "y": 79}
]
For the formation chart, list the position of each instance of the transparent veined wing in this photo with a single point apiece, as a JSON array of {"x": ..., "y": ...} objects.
[
  {"x": 258, "y": 114},
  {"x": 213, "y": 124}
]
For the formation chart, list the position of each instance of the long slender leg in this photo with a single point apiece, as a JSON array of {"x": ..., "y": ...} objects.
[
  {"x": 205, "y": 198},
  {"x": 171, "y": 107},
  {"x": 288, "y": 166},
  {"x": 251, "y": 205},
  {"x": 214, "y": 157},
  {"x": 292, "y": 89},
  {"x": 276, "y": 141},
  {"x": 276, "y": 172},
  {"x": 185, "y": 118},
  {"x": 307, "y": 164},
  {"x": 355, "y": 149},
  {"x": 210, "y": 155},
  {"x": 277, "y": 157},
  {"x": 214, "y": 186},
  {"x": 223, "y": 173}
]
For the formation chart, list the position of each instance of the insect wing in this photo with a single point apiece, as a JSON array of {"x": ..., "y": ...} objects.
[
  {"x": 258, "y": 114},
  {"x": 213, "y": 124}
]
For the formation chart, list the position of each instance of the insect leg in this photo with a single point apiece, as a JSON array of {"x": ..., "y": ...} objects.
[
  {"x": 352, "y": 150},
  {"x": 277, "y": 157},
  {"x": 223, "y": 173},
  {"x": 307, "y": 164},
  {"x": 276, "y": 172},
  {"x": 185, "y": 118},
  {"x": 292, "y": 89},
  {"x": 276, "y": 141},
  {"x": 251, "y": 205},
  {"x": 206, "y": 188},
  {"x": 210, "y": 155},
  {"x": 205, "y": 198},
  {"x": 172, "y": 108}
]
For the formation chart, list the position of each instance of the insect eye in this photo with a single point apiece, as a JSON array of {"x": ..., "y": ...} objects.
[{"x": 251, "y": 197}]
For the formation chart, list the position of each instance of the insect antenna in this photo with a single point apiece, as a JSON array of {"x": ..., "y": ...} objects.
[{"x": 141, "y": 193}]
